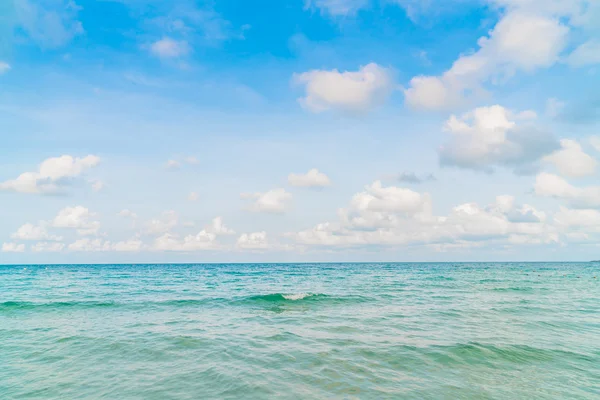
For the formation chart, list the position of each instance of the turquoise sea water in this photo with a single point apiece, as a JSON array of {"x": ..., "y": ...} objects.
[{"x": 300, "y": 331}]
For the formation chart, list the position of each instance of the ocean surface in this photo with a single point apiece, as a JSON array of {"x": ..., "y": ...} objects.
[{"x": 301, "y": 331}]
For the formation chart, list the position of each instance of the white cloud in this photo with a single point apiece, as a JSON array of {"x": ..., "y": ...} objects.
[
  {"x": 550, "y": 185},
  {"x": 165, "y": 223},
  {"x": 595, "y": 142},
  {"x": 353, "y": 92},
  {"x": 47, "y": 247},
  {"x": 177, "y": 163},
  {"x": 34, "y": 232},
  {"x": 53, "y": 175},
  {"x": 253, "y": 241},
  {"x": 97, "y": 185},
  {"x": 126, "y": 213},
  {"x": 131, "y": 245},
  {"x": 193, "y": 196},
  {"x": 13, "y": 248},
  {"x": 568, "y": 219},
  {"x": 433, "y": 93},
  {"x": 79, "y": 218},
  {"x": 273, "y": 201},
  {"x": 170, "y": 48},
  {"x": 378, "y": 198},
  {"x": 218, "y": 227},
  {"x": 172, "y": 164},
  {"x": 581, "y": 15},
  {"x": 578, "y": 226},
  {"x": 531, "y": 34},
  {"x": 571, "y": 160},
  {"x": 312, "y": 178},
  {"x": 100, "y": 245},
  {"x": 489, "y": 136},
  {"x": 67, "y": 166},
  {"x": 201, "y": 241},
  {"x": 587, "y": 53},
  {"x": 49, "y": 23},
  {"x": 90, "y": 245},
  {"x": 394, "y": 216},
  {"x": 520, "y": 41},
  {"x": 4, "y": 67}
]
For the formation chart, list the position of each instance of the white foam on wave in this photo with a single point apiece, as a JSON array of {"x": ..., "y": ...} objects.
[{"x": 296, "y": 296}]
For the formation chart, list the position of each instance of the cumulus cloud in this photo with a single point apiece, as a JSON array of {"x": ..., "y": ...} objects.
[
  {"x": 569, "y": 219},
  {"x": 578, "y": 225},
  {"x": 171, "y": 242},
  {"x": 550, "y": 185},
  {"x": 79, "y": 218},
  {"x": 101, "y": 245},
  {"x": 47, "y": 247},
  {"x": 520, "y": 41},
  {"x": 167, "y": 221},
  {"x": 312, "y": 178},
  {"x": 587, "y": 53},
  {"x": 394, "y": 216},
  {"x": 51, "y": 24},
  {"x": 34, "y": 232},
  {"x": 53, "y": 175},
  {"x": 206, "y": 239},
  {"x": 530, "y": 35},
  {"x": 253, "y": 241},
  {"x": 131, "y": 245},
  {"x": 170, "y": 48},
  {"x": 193, "y": 196},
  {"x": 13, "y": 248},
  {"x": 217, "y": 227},
  {"x": 273, "y": 201},
  {"x": 571, "y": 160},
  {"x": 351, "y": 92},
  {"x": 378, "y": 198},
  {"x": 490, "y": 136},
  {"x": 89, "y": 245}
]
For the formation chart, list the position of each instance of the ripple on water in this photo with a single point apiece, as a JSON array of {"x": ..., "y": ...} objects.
[{"x": 368, "y": 331}]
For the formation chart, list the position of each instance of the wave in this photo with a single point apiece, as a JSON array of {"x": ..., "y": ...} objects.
[
  {"x": 271, "y": 298},
  {"x": 27, "y": 305},
  {"x": 283, "y": 297},
  {"x": 485, "y": 352},
  {"x": 300, "y": 298},
  {"x": 513, "y": 289}
]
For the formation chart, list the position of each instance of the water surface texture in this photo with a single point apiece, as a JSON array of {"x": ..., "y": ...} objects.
[{"x": 300, "y": 331}]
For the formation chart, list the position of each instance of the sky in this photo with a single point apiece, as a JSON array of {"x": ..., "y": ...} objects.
[{"x": 158, "y": 131}]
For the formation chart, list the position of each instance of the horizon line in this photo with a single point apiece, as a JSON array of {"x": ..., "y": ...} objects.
[{"x": 298, "y": 263}]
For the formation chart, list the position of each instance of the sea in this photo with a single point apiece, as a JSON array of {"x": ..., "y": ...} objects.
[{"x": 301, "y": 331}]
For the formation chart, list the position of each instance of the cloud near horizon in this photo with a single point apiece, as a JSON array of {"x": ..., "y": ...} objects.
[{"x": 348, "y": 130}]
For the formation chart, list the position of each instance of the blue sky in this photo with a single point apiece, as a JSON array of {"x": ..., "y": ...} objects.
[{"x": 323, "y": 130}]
